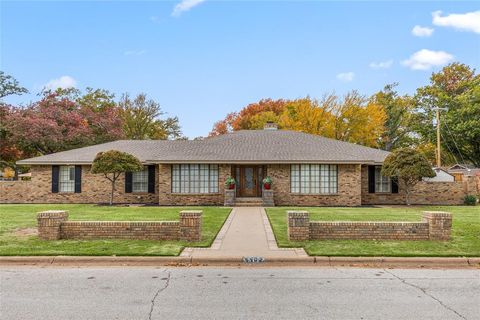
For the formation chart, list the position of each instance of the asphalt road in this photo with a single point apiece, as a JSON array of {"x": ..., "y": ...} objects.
[{"x": 232, "y": 293}]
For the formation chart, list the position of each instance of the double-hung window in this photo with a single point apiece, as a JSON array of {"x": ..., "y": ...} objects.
[
  {"x": 382, "y": 183},
  {"x": 66, "y": 179},
  {"x": 313, "y": 178},
  {"x": 194, "y": 178},
  {"x": 140, "y": 181}
]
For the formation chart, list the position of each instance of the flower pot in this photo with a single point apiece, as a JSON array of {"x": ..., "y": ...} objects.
[
  {"x": 267, "y": 186},
  {"x": 231, "y": 187}
]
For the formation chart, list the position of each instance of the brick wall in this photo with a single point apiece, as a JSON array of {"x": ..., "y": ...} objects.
[
  {"x": 349, "y": 188},
  {"x": 95, "y": 189},
  {"x": 54, "y": 225},
  {"x": 435, "y": 226},
  {"x": 166, "y": 197},
  {"x": 440, "y": 193}
]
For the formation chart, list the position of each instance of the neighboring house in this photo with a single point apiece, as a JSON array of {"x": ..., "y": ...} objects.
[
  {"x": 460, "y": 170},
  {"x": 307, "y": 170},
  {"x": 440, "y": 176}
]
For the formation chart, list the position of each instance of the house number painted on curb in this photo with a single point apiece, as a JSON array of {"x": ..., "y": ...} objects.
[{"x": 253, "y": 259}]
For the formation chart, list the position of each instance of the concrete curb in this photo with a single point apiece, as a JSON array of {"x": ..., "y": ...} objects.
[{"x": 321, "y": 261}]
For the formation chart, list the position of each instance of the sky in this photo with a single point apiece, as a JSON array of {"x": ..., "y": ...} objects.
[{"x": 203, "y": 59}]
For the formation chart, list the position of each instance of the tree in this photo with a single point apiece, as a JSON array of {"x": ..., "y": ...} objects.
[
  {"x": 407, "y": 166},
  {"x": 141, "y": 119},
  {"x": 357, "y": 120},
  {"x": 52, "y": 124},
  {"x": 352, "y": 118},
  {"x": 10, "y": 86},
  {"x": 102, "y": 114},
  {"x": 397, "y": 117},
  {"x": 253, "y": 116},
  {"x": 113, "y": 163},
  {"x": 310, "y": 116},
  {"x": 456, "y": 89}
]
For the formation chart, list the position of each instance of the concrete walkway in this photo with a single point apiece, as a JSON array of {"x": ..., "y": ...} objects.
[{"x": 246, "y": 233}]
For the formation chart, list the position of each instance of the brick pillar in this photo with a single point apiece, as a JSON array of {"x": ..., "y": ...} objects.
[
  {"x": 298, "y": 225},
  {"x": 49, "y": 224},
  {"x": 267, "y": 198},
  {"x": 191, "y": 225},
  {"x": 439, "y": 224},
  {"x": 229, "y": 198}
]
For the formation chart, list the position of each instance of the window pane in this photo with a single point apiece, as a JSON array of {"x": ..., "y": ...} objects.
[
  {"x": 194, "y": 178},
  {"x": 140, "y": 181},
  {"x": 295, "y": 178},
  {"x": 175, "y": 178},
  {"x": 213, "y": 178},
  {"x": 67, "y": 179},
  {"x": 313, "y": 178},
  {"x": 382, "y": 183}
]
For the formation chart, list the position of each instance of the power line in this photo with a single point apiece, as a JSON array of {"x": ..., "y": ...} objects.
[
  {"x": 448, "y": 147},
  {"x": 453, "y": 138}
]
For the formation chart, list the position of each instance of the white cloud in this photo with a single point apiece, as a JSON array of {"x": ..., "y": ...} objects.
[
  {"x": 346, "y": 76},
  {"x": 185, "y": 5},
  {"x": 381, "y": 65},
  {"x": 420, "y": 31},
  {"x": 469, "y": 21},
  {"x": 135, "y": 52},
  {"x": 63, "y": 82},
  {"x": 426, "y": 59}
]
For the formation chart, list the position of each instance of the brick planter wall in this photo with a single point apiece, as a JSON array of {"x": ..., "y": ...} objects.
[
  {"x": 435, "y": 226},
  {"x": 267, "y": 198},
  {"x": 53, "y": 225},
  {"x": 229, "y": 198}
]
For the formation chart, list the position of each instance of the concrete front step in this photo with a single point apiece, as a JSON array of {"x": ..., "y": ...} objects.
[{"x": 248, "y": 202}]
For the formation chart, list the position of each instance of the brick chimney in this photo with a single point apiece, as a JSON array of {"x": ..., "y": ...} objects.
[{"x": 270, "y": 125}]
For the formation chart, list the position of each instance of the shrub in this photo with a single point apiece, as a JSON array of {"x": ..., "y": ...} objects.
[{"x": 470, "y": 200}]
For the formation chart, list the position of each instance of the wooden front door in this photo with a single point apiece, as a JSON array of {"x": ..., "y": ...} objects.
[{"x": 249, "y": 180}]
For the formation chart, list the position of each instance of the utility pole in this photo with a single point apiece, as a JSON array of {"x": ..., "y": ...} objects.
[{"x": 438, "y": 153}]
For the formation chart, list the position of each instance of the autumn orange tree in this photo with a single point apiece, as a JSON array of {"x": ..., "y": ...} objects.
[{"x": 351, "y": 118}]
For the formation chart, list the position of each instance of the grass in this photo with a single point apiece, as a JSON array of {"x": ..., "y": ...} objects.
[
  {"x": 465, "y": 232},
  {"x": 15, "y": 218}
]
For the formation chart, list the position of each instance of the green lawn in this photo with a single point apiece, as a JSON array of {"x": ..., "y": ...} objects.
[
  {"x": 16, "y": 222},
  {"x": 465, "y": 233}
]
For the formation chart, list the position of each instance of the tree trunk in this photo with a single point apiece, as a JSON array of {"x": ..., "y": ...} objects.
[{"x": 111, "y": 195}]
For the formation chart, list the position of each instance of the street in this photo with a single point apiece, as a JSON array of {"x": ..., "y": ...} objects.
[{"x": 238, "y": 293}]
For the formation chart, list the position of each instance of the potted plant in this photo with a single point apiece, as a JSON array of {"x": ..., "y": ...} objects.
[
  {"x": 230, "y": 183},
  {"x": 267, "y": 183}
]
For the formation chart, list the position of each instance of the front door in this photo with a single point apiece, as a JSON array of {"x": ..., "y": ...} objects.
[{"x": 249, "y": 180}]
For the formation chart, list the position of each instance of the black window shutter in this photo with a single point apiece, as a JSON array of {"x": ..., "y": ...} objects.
[
  {"x": 128, "y": 182},
  {"x": 394, "y": 185},
  {"x": 371, "y": 179},
  {"x": 55, "y": 178},
  {"x": 78, "y": 179},
  {"x": 151, "y": 179}
]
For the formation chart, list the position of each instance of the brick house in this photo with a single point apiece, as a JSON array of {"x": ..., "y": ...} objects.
[{"x": 307, "y": 170}]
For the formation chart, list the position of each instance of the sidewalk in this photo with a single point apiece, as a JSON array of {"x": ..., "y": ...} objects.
[{"x": 246, "y": 233}]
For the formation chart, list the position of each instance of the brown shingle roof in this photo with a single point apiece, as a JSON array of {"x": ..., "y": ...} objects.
[{"x": 246, "y": 146}]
